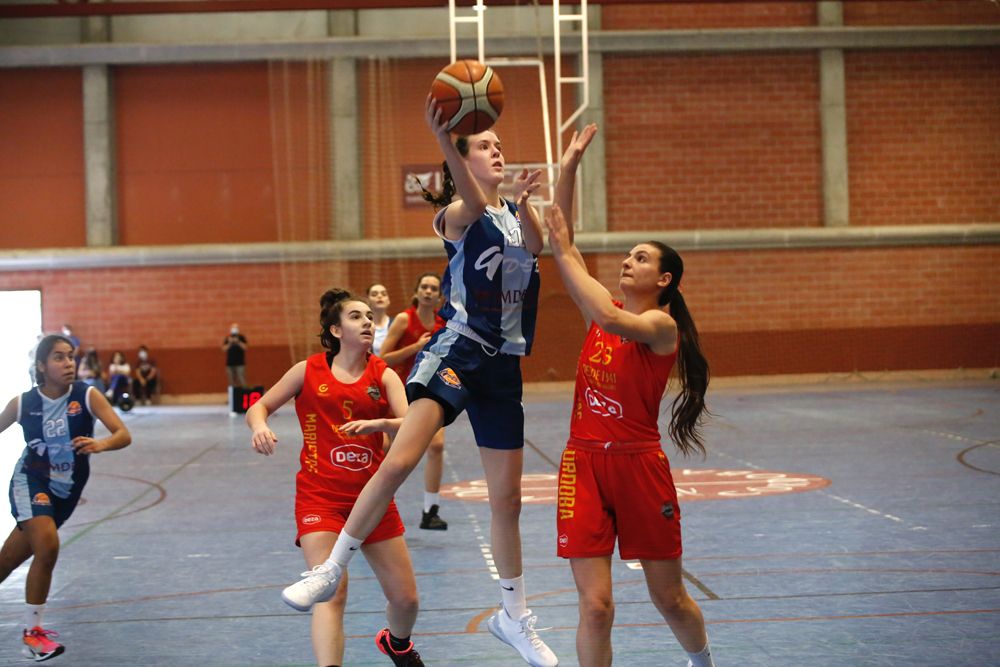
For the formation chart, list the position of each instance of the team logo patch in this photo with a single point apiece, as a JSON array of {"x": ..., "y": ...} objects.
[
  {"x": 603, "y": 405},
  {"x": 374, "y": 392},
  {"x": 450, "y": 378},
  {"x": 41, "y": 499},
  {"x": 351, "y": 457},
  {"x": 73, "y": 408},
  {"x": 322, "y": 389},
  {"x": 667, "y": 511},
  {"x": 310, "y": 519},
  {"x": 563, "y": 540}
]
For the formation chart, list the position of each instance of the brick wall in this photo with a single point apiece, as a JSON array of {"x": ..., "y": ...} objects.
[
  {"x": 697, "y": 141},
  {"x": 41, "y": 158},
  {"x": 712, "y": 141},
  {"x": 759, "y": 312},
  {"x": 923, "y": 132}
]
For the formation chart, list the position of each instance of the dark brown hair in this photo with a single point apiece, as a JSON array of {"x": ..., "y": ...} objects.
[
  {"x": 331, "y": 306},
  {"x": 687, "y": 412},
  {"x": 447, "y": 193}
]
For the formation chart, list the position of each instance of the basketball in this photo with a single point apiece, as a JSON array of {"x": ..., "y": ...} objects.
[{"x": 470, "y": 96}]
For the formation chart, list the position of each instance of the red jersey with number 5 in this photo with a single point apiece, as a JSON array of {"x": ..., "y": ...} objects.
[
  {"x": 335, "y": 467},
  {"x": 619, "y": 385}
]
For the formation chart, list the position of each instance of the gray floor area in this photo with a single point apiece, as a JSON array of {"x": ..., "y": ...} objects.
[{"x": 851, "y": 525}]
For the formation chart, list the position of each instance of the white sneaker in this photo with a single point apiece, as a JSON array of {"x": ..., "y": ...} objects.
[
  {"x": 317, "y": 585},
  {"x": 521, "y": 635}
]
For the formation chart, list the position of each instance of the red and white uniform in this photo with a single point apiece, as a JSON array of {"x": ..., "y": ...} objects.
[
  {"x": 334, "y": 467},
  {"x": 614, "y": 479},
  {"x": 414, "y": 330}
]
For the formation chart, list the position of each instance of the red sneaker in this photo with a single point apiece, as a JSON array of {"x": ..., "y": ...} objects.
[
  {"x": 38, "y": 646},
  {"x": 406, "y": 658}
]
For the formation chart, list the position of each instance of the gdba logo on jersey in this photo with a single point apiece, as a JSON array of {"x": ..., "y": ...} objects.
[
  {"x": 491, "y": 259},
  {"x": 73, "y": 409},
  {"x": 602, "y": 405},
  {"x": 351, "y": 457}
]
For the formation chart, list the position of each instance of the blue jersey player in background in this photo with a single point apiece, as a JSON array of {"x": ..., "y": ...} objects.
[
  {"x": 490, "y": 290},
  {"x": 57, "y": 417}
]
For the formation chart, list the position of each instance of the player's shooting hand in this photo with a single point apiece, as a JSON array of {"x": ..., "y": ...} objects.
[
  {"x": 362, "y": 427},
  {"x": 432, "y": 114},
  {"x": 85, "y": 445},
  {"x": 264, "y": 441},
  {"x": 577, "y": 146},
  {"x": 525, "y": 185}
]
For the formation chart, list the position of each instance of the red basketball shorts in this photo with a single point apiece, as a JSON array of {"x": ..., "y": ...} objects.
[
  {"x": 330, "y": 518},
  {"x": 619, "y": 491}
]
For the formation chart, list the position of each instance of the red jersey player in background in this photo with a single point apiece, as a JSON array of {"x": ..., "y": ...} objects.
[
  {"x": 409, "y": 332},
  {"x": 614, "y": 479},
  {"x": 354, "y": 392}
]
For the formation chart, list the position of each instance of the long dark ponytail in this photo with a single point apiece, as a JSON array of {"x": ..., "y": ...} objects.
[
  {"x": 687, "y": 412},
  {"x": 447, "y": 193},
  {"x": 331, "y": 306}
]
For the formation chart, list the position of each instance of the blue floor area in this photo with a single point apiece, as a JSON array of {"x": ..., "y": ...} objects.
[{"x": 184, "y": 541}]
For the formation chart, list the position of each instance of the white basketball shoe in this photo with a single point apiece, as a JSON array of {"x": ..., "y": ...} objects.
[
  {"x": 317, "y": 585},
  {"x": 521, "y": 635}
]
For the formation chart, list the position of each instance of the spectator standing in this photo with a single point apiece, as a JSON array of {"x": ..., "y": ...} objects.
[{"x": 235, "y": 347}]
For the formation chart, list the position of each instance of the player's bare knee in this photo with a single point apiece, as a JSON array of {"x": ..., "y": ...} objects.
[
  {"x": 671, "y": 602},
  {"x": 46, "y": 557},
  {"x": 597, "y": 611},
  {"x": 404, "y": 601},
  {"x": 394, "y": 473},
  {"x": 506, "y": 506}
]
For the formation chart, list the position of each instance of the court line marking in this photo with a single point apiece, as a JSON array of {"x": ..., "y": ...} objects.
[
  {"x": 573, "y": 628},
  {"x": 157, "y": 484},
  {"x": 482, "y": 541},
  {"x": 840, "y": 499},
  {"x": 159, "y": 499}
]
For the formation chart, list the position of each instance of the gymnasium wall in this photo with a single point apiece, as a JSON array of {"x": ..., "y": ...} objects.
[{"x": 693, "y": 141}]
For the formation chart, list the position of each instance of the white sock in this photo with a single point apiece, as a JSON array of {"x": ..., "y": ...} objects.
[
  {"x": 512, "y": 594},
  {"x": 702, "y": 658},
  {"x": 431, "y": 499},
  {"x": 33, "y": 615},
  {"x": 344, "y": 549}
]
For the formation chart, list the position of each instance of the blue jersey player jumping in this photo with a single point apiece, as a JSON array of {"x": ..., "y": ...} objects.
[
  {"x": 57, "y": 418},
  {"x": 473, "y": 364}
]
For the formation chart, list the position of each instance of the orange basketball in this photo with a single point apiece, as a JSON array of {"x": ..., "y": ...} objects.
[{"x": 470, "y": 96}]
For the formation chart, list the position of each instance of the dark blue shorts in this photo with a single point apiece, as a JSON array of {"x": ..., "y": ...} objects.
[
  {"x": 461, "y": 374},
  {"x": 31, "y": 497}
]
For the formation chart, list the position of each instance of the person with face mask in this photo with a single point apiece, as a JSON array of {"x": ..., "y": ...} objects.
[
  {"x": 235, "y": 347},
  {"x": 147, "y": 377}
]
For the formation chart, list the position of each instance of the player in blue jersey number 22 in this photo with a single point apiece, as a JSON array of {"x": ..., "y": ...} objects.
[{"x": 57, "y": 417}]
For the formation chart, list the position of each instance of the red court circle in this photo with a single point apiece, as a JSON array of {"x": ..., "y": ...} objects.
[{"x": 692, "y": 484}]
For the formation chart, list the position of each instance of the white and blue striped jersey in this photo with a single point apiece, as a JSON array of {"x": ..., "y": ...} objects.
[
  {"x": 50, "y": 425},
  {"x": 491, "y": 283}
]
